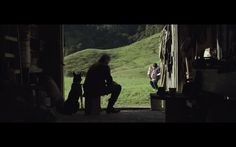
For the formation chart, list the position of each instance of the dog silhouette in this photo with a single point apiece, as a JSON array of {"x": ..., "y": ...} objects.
[{"x": 72, "y": 104}]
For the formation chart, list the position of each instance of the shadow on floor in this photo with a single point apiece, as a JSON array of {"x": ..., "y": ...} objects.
[{"x": 125, "y": 116}]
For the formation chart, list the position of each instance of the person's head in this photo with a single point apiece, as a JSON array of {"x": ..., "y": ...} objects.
[
  {"x": 105, "y": 58},
  {"x": 154, "y": 65}
]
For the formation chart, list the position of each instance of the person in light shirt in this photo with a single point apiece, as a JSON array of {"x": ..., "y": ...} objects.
[{"x": 154, "y": 75}]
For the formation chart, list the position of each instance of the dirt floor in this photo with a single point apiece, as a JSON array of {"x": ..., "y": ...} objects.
[{"x": 126, "y": 116}]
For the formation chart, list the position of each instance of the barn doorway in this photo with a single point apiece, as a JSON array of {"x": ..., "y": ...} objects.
[{"x": 132, "y": 48}]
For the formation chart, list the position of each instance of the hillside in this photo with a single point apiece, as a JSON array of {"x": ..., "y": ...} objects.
[
  {"x": 80, "y": 37},
  {"x": 129, "y": 66}
]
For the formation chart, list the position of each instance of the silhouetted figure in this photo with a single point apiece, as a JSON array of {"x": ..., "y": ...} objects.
[
  {"x": 72, "y": 103},
  {"x": 99, "y": 82}
]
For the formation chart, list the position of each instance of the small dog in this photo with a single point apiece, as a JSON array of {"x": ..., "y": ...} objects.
[{"x": 72, "y": 104}]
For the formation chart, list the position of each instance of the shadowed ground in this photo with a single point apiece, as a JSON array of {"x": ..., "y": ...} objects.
[{"x": 124, "y": 116}]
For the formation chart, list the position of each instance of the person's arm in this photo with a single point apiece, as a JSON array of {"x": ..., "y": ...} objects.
[
  {"x": 158, "y": 73},
  {"x": 108, "y": 76},
  {"x": 149, "y": 72}
]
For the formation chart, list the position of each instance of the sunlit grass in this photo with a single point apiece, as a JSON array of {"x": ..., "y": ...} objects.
[{"x": 129, "y": 66}]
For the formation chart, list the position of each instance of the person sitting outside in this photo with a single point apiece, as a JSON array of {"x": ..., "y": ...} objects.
[{"x": 99, "y": 82}]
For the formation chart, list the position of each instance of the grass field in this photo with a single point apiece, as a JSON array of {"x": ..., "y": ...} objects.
[{"x": 129, "y": 66}]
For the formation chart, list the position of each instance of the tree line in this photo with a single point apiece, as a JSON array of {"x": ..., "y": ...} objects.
[{"x": 80, "y": 37}]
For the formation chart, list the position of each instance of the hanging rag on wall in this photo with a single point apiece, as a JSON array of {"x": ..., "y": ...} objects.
[
  {"x": 168, "y": 55},
  {"x": 166, "y": 59}
]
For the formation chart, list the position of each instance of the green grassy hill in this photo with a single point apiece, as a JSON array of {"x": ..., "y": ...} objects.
[{"x": 129, "y": 66}]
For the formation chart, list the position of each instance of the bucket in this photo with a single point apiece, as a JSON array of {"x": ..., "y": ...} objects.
[{"x": 157, "y": 104}]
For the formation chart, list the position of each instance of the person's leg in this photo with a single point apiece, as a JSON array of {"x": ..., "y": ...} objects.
[
  {"x": 152, "y": 84},
  {"x": 155, "y": 85},
  {"x": 115, "y": 92}
]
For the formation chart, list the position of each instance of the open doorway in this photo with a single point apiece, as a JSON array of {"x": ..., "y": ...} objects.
[{"x": 132, "y": 48}]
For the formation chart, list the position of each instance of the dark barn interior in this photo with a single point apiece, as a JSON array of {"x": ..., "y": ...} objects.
[
  {"x": 31, "y": 57},
  {"x": 198, "y": 65},
  {"x": 198, "y": 73}
]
